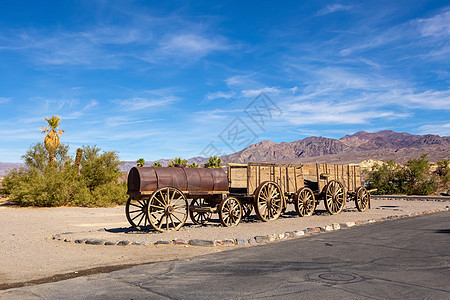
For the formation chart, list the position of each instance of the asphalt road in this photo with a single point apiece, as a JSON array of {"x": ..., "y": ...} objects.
[{"x": 401, "y": 259}]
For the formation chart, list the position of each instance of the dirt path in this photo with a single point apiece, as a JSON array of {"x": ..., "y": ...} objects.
[{"x": 27, "y": 251}]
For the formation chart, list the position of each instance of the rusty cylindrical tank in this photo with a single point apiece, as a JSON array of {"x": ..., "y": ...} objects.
[{"x": 198, "y": 181}]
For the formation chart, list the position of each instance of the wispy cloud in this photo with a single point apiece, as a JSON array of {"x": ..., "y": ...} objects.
[
  {"x": 135, "y": 104},
  {"x": 190, "y": 45},
  {"x": 220, "y": 95},
  {"x": 256, "y": 92},
  {"x": 438, "y": 129},
  {"x": 333, "y": 8},
  {"x": 4, "y": 100},
  {"x": 436, "y": 26}
]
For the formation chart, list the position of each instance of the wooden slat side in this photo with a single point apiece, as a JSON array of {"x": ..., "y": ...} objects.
[{"x": 238, "y": 177}]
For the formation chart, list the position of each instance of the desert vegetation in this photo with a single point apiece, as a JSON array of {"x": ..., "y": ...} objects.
[
  {"x": 52, "y": 178},
  {"x": 413, "y": 178}
]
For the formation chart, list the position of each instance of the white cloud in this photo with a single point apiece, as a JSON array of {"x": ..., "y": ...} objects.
[
  {"x": 191, "y": 44},
  {"x": 438, "y": 25},
  {"x": 256, "y": 92},
  {"x": 4, "y": 100},
  {"x": 138, "y": 103},
  {"x": 220, "y": 95},
  {"x": 333, "y": 8},
  {"x": 438, "y": 129}
]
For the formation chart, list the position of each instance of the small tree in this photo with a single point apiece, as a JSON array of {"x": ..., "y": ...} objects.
[
  {"x": 193, "y": 165},
  {"x": 214, "y": 162},
  {"x": 140, "y": 162},
  {"x": 443, "y": 172},
  {"x": 51, "y": 140},
  {"x": 418, "y": 178},
  {"x": 178, "y": 162},
  {"x": 157, "y": 164}
]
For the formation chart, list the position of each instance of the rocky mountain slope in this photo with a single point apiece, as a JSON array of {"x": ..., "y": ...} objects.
[
  {"x": 382, "y": 145},
  {"x": 355, "y": 148}
]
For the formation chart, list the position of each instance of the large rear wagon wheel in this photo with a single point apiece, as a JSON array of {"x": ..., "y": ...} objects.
[
  {"x": 167, "y": 209},
  {"x": 362, "y": 198},
  {"x": 334, "y": 197},
  {"x": 268, "y": 201},
  {"x": 304, "y": 202},
  {"x": 230, "y": 212},
  {"x": 199, "y": 218},
  {"x": 136, "y": 212}
]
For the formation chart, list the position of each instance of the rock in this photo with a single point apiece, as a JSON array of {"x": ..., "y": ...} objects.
[
  {"x": 350, "y": 224},
  {"x": 162, "y": 242},
  {"x": 271, "y": 238},
  {"x": 261, "y": 239},
  {"x": 226, "y": 243},
  {"x": 110, "y": 243},
  {"x": 197, "y": 242},
  {"x": 145, "y": 243},
  {"x": 299, "y": 233},
  {"x": 241, "y": 241},
  {"x": 252, "y": 241},
  {"x": 95, "y": 242},
  {"x": 123, "y": 243},
  {"x": 80, "y": 241},
  {"x": 179, "y": 242}
]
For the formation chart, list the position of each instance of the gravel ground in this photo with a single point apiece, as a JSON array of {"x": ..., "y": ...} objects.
[{"x": 32, "y": 247}]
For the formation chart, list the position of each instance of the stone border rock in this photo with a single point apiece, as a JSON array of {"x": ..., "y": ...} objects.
[{"x": 246, "y": 242}]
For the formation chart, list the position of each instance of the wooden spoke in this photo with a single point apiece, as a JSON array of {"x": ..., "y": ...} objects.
[
  {"x": 162, "y": 211},
  {"x": 199, "y": 218},
  {"x": 136, "y": 212},
  {"x": 230, "y": 212},
  {"x": 362, "y": 198},
  {"x": 304, "y": 202},
  {"x": 334, "y": 197},
  {"x": 268, "y": 201}
]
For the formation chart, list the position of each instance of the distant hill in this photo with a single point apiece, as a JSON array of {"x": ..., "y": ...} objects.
[
  {"x": 355, "y": 148},
  {"x": 382, "y": 145}
]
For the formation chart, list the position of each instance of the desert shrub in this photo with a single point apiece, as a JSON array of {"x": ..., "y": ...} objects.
[
  {"x": 214, "y": 162},
  {"x": 59, "y": 183},
  {"x": 443, "y": 173},
  {"x": 413, "y": 178},
  {"x": 156, "y": 164},
  {"x": 99, "y": 169},
  {"x": 418, "y": 179}
]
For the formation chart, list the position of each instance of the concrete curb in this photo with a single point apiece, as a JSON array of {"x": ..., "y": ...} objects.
[{"x": 246, "y": 242}]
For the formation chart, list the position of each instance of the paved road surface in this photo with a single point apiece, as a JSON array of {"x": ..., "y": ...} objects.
[{"x": 401, "y": 259}]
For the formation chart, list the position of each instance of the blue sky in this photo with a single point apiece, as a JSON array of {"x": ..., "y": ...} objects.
[{"x": 159, "y": 79}]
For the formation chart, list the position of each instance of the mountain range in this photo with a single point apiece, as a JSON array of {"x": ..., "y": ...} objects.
[{"x": 355, "y": 148}]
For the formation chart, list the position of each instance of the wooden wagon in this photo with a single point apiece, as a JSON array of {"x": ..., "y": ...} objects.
[{"x": 159, "y": 196}]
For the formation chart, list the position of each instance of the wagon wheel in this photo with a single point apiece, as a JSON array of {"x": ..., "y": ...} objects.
[
  {"x": 136, "y": 212},
  {"x": 230, "y": 212},
  {"x": 247, "y": 209},
  {"x": 334, "y": 197},
  {"x": 199, "y": 218},
  {"x": 167, "y": 209},
  {"x": 304, "y": 202},
  {"x": 362, "y": 198},
  {"x": 268, "y": 201}
]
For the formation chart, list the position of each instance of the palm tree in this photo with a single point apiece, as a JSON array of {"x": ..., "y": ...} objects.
[
  {"x": 178, "y": 162},
  {"x": 156, "y": 164},
  {"x": 140, "y": 162},
  {"x": 51, "y": 140},
  {"x": 214, "y": 162},
  {"x": 193, "y": 165}
]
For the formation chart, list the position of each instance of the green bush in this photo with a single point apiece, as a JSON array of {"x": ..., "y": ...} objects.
[
  {"x": 413, "y": 178},
  {"x": 60, "y": 183}
]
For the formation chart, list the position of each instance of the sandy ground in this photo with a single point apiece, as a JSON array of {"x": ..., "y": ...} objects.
[{"x": 28, "y": 252}]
